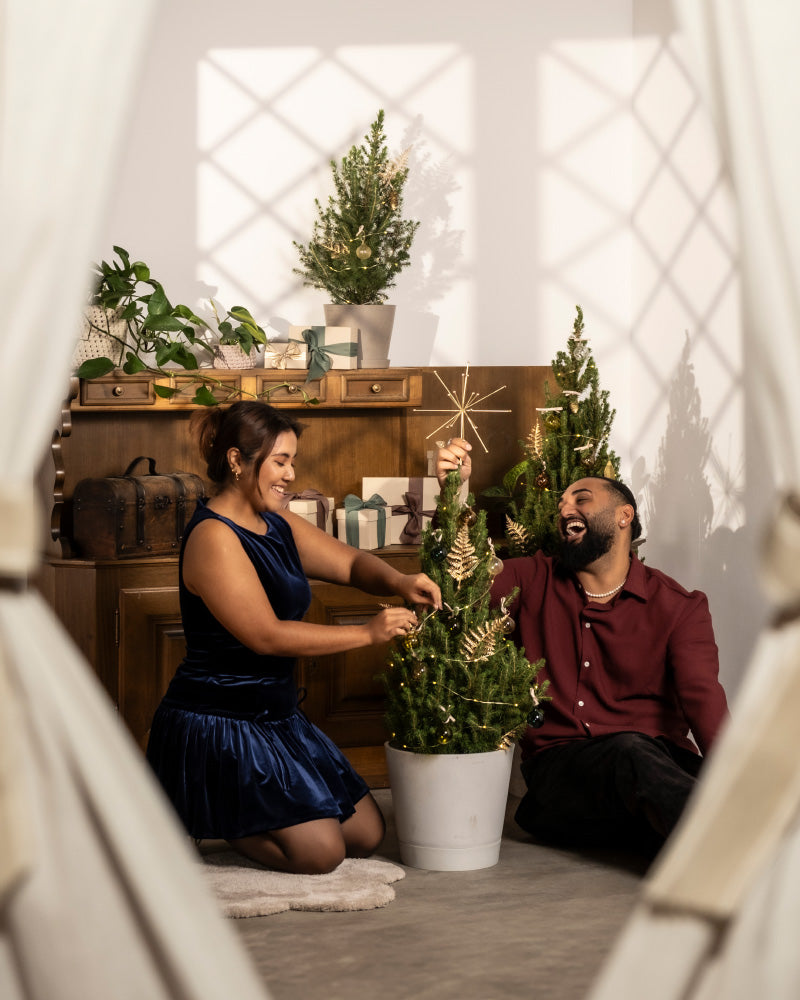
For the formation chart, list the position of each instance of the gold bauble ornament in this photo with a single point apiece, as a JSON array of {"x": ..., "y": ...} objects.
[
  {"x": 468, "y": 517},
  {"x": 495, "y": 566},
  {"x": 542, "y": 481},
  {"x": 363, "y": 252},
  {"x": 573, "y": 406},
  {"x": 553, "y": 421},
  {"x": 394, "y": 201}
]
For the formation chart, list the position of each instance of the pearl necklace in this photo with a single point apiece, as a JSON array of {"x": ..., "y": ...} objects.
[{"x": 608, "y": 593}]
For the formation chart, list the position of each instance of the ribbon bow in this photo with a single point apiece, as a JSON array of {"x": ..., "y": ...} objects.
[
  {"x": 352, "y": 505},
  {"x": 412, "y": 532},
  {"x": 323, "y": 504},
  {"x": 319, "y": 353},
  {"x": 283, "y": 353}
]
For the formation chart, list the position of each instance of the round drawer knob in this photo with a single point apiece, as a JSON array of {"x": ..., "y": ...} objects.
[
  {"x": 291, "y": 388},
  {"x": 376, "y": 387},
  {"x": 117, "y": 390}
]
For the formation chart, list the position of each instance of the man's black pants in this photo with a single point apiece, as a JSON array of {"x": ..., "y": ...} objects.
[{"x": 624, "y": 790}]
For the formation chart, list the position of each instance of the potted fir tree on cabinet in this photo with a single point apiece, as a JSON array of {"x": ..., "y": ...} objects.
[
  {"x": 459, "y": 694},
  {"x": 360, "y": 242}
]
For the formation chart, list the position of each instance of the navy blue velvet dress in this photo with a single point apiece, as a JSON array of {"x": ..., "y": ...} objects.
[{"x": 232, "y": 750}]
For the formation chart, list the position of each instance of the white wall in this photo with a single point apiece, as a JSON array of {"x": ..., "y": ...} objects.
[{"x": 560, "y": 156}]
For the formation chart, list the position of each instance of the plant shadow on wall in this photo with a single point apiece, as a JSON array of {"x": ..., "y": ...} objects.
[
  {"x": 438, "y": 247},
  {"x": 680, "y": 513}
]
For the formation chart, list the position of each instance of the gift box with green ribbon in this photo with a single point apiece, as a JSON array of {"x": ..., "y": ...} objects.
[
  {"x": 327, "y": 346},
  {"x": 362, "y": 523},
  {"x": 411, "y": 502}
]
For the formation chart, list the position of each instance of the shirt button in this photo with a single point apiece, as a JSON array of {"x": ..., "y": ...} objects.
[
  {"x": 586, "y": 663},
  {"x": 588, "y": 625},
  {"x": 580, "y": 704}
]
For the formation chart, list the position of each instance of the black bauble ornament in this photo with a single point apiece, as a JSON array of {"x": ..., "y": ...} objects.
[
  {"x": 439, "y": 553},
  {"x": 535, "y": 717}
]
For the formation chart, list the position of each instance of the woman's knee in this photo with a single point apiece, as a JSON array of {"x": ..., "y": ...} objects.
[
  {"x": 321, "y": 860},
  {"x": 364, "y": 832}
]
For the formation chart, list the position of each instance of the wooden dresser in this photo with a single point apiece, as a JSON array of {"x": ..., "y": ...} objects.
[{"x": 124, "y": 614}]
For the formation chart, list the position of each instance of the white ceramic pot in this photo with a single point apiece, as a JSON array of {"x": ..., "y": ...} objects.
[
  {"x": 375, "y": 323},
  {"x": 449, "y": 808}
]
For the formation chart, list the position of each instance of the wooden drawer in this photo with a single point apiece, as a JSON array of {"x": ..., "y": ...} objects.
[
  {"x": 127, "y": 390},
  {"x": 374, "y": 387},
  {"x": 291, "y": 394},
  {"x": 224, "y": 386}
]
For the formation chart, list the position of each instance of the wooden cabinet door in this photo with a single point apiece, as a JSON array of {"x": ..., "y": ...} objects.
[
  {"x": 151, "y": 647},
  {"x": 344, "y": 694}
]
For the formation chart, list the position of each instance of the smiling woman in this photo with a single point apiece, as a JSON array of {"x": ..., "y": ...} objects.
[{"x": 236, "y": 757}]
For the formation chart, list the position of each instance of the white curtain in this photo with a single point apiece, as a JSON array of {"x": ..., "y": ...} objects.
[
  {"x": 719, "y": 915},
  {"x": 100, "y": 896}
]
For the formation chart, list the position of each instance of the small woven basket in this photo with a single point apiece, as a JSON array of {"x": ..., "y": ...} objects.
[
  {"x": 232, "y": 356},
  {"x": 96, "y": 340}
]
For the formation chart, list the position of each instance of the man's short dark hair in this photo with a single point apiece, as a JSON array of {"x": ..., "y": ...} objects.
[{"x": 627, "y": 497}]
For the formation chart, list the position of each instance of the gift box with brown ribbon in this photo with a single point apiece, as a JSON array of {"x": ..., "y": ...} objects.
[
  {"x": 313, "y": 506},
  {"x": 411, "y": 503}
]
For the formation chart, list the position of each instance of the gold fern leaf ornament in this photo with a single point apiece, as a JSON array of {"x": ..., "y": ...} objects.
[
  {"x": 535, "y": 441},
  {"x": 461, "y": 559},
  {"x": 517, "y": 532}
]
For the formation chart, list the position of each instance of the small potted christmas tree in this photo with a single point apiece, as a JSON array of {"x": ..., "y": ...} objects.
[
  {"x": 459, "y": 693},
  {"x": 360, "y": 242}
]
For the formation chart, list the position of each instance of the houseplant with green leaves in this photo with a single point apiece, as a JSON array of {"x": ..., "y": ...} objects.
[
  {"x": 152, "y": 327},
  {"x": 154, "y": 336}
]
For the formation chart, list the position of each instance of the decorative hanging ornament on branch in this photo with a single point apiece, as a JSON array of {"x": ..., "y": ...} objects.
[
  {"x": 463, "y": 408},
  {"x": 552, "y": 419},
  {"x": 363, "y": 252}
]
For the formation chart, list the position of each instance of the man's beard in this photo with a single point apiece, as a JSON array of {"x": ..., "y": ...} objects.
[{"x": 596, "y": 541}]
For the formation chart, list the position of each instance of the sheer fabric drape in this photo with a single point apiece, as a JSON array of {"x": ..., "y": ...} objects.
[
  {"x": 718, "y": 916},
  {"x": 99, "y": 892}
]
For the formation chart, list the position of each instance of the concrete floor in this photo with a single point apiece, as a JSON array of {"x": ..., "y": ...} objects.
[{"x": 537, "y": 925}]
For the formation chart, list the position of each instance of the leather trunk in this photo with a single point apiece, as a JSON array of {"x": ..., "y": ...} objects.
[{"x": 122, "y": 517}]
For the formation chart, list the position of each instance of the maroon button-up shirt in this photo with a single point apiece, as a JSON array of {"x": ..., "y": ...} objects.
[{"x": 645, "y": 662}]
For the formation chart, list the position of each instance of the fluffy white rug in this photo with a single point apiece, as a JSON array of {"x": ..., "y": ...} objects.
[{"x": 244, "y": 889}]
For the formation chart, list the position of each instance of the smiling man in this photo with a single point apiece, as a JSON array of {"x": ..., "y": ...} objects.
[{"x": 633, "y": 670}]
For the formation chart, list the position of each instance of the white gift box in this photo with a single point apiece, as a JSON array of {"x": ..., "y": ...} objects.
[
  {"x": 394, "y": 490},
  {"x": 283, "y": 356},
  {"x": 366, "y": 522},
  {"x": 312, "y": 509},
  {"x": 331, "y": 336}
]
